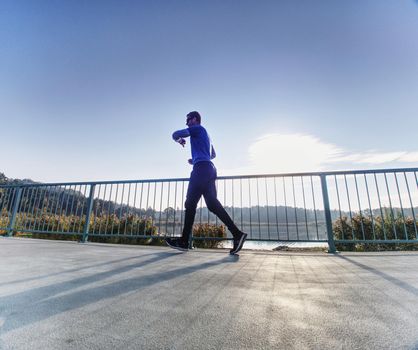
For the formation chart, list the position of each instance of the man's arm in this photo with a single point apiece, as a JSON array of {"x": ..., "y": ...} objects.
[{"x": 179, "y": 135}]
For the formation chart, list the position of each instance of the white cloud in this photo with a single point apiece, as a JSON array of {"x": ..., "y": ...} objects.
[{"x": 283, "y": 153}]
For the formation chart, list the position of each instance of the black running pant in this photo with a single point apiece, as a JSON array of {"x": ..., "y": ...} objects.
[{"x": 202, "y": 183}]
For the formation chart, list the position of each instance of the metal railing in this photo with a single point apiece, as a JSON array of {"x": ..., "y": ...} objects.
[{"x": 370, "y": 206}]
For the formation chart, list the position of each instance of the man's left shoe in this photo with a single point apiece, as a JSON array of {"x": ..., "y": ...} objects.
[
  {"x": 238, "y": 243},
  {"x": 177, "y": 243}
]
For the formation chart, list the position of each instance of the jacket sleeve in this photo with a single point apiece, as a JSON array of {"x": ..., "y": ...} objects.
[
  {"x": 212, "y": 152},
  {"x": 180, "y": 134}
]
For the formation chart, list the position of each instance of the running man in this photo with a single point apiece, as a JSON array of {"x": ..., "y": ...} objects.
[{"x": 202, "y": 182}]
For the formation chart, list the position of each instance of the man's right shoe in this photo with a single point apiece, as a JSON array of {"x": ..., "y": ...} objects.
[
  {"x": 177, "y": 243},
  {"x": 238, "y": 243}
]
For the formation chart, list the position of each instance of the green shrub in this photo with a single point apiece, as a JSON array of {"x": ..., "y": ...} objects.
[
  {"x": 361, "y": 227},
  {"x": 216, "y": 233}
]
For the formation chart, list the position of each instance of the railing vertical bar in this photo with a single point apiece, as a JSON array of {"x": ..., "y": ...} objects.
[
  {"x": 175, "y": 209},
  {"x": 121, "y": 207},
  {"x": 304, "y": 205},
  {"x": 240, "y": 190},
  {"x": 349, "y": 208},
  {"x": 339, "y": 207},
  {"x": 285, "y": 207},
  {"x": 74, "y": 213},
  {"x": 61, "y": 217},
  {"x": 53, "y": 200},
  {"x": 416, "y": 180},
  {"x": 51, "y": 218},
  {"x": 2, "y": 195},
  {"x": 83, "y": 201},
  {"x": 96, "y": 206},
  {"x": 267, "y": 206},
  {"x": 224, "y": 182},
  {"x": 209, "y": 214},
  {"x": 39, "y": 212},
  {"x": 380, "y": 206},
  {"x": 32, "y": 216},
  {"x": 161, "y": 207},
  {"x": 19, "y": 208},
  {"x": 412, "y": 206},
  {"x": 57, "y": 204},
  {"x": 47, "y": 195},
  {"x": 370, "y": 207},
  {"x": 10, "y": 202},
  {"x": 128, "y": 211},
  {"x": 400, "y": 203},
  {"x": 6, "y": 205},
  {"x": 109, "y": 209},
  {"x": 23, "y": 211},
  {"x": 216, "y": 185},
  {"x": 16, "y": 204},
  {"x": 232, "y": 202},
  {"x": 201, "y": 210},
  {"x": 258, "y": 210},
  {"x": 153, "y": 204},
  {"x": 275, "y": 203},
  {"x": 89, "y": 208},
  {"x": 391, "y": 208},
  {"x": 66, "y": 209},
  {"x": 314, "y": 205},
  {"x": 39, "y": 205},
  {"x": 359, "y": 206},
  {"x": 327, "y": 211},
  {"x": 30, "y": 208},
  {"x": 148, "y": 196},
  {"x": 168, "y": 209},
  {"x": 72, "y": 192},
  {"x": 114, "y": 217},
  {"x": 249, "y": 205},
  {"x": 134, "y": 209},
  {"x": 5, "y": 201},
  {"x": 2, "y": 192},
  {"x": 103, "y": 214},
  {"x": 294, "y": 204},
  {"x": 144, "y": 217},
  {"x": 4, "y": 208},
  {"x": 182, "y": 205},
  {"x": 58, "y": 207}
]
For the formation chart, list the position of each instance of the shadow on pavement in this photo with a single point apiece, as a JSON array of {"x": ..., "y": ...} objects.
[
  {"x": 41, "y": 303},
  {"x": 404, "y": 285}
]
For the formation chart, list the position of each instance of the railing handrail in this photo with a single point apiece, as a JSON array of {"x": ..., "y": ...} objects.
[{"x": 232, "y": 177}]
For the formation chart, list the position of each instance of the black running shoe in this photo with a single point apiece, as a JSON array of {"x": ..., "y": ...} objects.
[
  {"x": 177, "y": 243},
  {"x": 238, "y": 243}
]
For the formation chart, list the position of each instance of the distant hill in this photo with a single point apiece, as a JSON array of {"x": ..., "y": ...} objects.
[{"x": 4, "y": 180}]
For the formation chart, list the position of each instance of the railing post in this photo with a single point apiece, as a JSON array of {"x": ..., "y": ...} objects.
[
  {"x": 14, "y": 213},
  {"x": 327, "y": 210},
  {"x": 88, "y": 214}
]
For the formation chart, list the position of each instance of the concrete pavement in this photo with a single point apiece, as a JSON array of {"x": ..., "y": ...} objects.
[{"x": 66, "y": 295}]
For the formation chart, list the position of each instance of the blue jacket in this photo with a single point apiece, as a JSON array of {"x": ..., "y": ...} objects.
[{"x": 202, "y": 149}]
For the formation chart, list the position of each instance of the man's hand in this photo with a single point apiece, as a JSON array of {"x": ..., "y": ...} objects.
[
  {"x": 181, "y": 141},
  {"x": 190, "y": 161}
]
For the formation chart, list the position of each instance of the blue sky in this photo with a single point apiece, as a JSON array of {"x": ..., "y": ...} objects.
[{"x": 92, "y": 90}]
